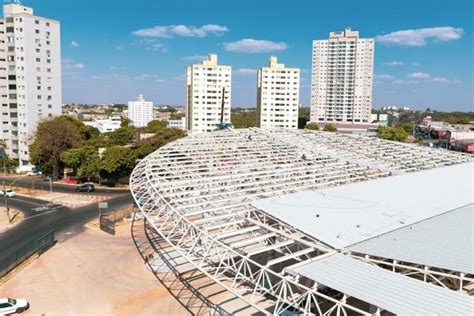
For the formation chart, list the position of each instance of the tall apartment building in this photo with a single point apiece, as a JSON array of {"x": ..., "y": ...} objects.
[
  {"x": 342, "y": 76},
  {"x": 140, "y": 112},
  {"x": 30, "y": 77},
  {"x": 206, "y": 84},
  {"x": 277, "y": 96}
]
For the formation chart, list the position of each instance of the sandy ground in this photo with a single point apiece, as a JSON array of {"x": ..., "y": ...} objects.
[
  {"x": 92, "y": 273},
  {"x": 15, "y": 215}
]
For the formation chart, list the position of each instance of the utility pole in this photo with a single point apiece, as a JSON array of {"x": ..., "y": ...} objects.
[
  {"x": 5, "y": 197},
  {"x": 50, "y": 185}
]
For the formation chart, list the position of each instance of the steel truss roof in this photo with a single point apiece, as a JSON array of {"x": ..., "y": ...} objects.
[{"x": 196, "y": 194}]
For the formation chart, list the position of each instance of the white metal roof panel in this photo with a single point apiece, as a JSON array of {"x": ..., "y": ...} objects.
[
  {"x": 385, "y": 289},
  {"x": 445, "y": 241},
  {"x": 345, "y": 215}
]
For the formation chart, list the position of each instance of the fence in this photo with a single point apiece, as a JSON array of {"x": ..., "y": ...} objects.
[{"x": 37, "y": 245}]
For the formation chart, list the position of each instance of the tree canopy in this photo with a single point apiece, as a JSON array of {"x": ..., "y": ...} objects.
[
  {"x": 53, "y": 137},
  {"x": 392, "y": 133},
  {"x": 121, "y": 136},
  {"x": 117, "y": 162},
  {"x": 329, "y": 128},
  {"x": 84, "y": 161},
  {"x": 312, "y": 126},
  {"x": 155, "y": 125}
]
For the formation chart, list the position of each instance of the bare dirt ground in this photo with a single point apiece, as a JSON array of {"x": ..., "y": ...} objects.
[
  {"x": 15, "y": 218},
  {"x": 92, "y": 273}
]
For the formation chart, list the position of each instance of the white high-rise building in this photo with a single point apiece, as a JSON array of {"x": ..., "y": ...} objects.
[
  {"x": 277, "y": 95},
  {"x": 342, "y": 76},
  {"x": 206, "y": 84},
  {"x": 140, "y": 112},
  {"x": 30, "y": 77}
]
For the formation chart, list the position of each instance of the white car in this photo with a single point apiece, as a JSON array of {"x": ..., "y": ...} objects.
[
  {"x": 11, "y": 305},
  {"x": 10, "y": 193},
  {"x": 34, "y": 173}
]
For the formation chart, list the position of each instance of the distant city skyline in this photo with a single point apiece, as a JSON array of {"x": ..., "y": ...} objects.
[{"x": 423, "y": 51}]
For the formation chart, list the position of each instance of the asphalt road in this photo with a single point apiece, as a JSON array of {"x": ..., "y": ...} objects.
[
  {"x": 65, "y": 221},
  {"x": 39, "y": 183}
]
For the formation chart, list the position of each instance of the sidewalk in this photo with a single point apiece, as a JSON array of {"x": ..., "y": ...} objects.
[
  {"x": 92, "y": 273},
  {"x": 71, "y": 200}
]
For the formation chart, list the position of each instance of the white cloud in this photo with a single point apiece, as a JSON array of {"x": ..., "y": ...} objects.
[
  {"x": 117, "y": 68},
  {"x": 69, "y": 64},
  {"x": 444, "y": 80},
  {"x": 400, "y": 81},
  {"x": 154, "y": 45},
  {"x": 424, "y": 77},
  {"x": 419, "y": 75},
  {"x": 194, "y": 58},
  {"x": 149, "y": 77},
  {"x": 74, "y": 44},
  {"x": 245, "y": 71},
  {"x": 419, "y": 37},
  {"x": 383, "y": 77},
  {"x": 179, "y": 78},
  {"x": 249, "y": 45},
  {"x": 109, "y": 77},
  {"x": 394, "y": 63},
  {"x": 169, "y": 31}
]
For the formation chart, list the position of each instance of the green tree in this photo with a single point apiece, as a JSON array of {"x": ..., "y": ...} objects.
[
  {"x": 84, "y": 161},
  {"x": 176, "y": 116},
  {"x": 407, "y": 127},
  {"x": 161, "y": 138},
  {"x": 126, "y": 122},
  {"x": 155, "y": 125},
  {"x": 392, "y": 133},
  {"x": 117, "y": 162},
  {"x": 53, "y": 137},
  {"x": 121, "y": 136},
  {"x": 312, "y": 126},
  {"x": 244, "y": 118},
  {"x": 329, "y": 128},
  {"x": 86, "y": 131}
]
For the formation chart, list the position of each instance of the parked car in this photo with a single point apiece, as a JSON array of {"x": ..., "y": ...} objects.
[
  {"x": 88, "y": 187},
  {"x": 11, "y": 305},
  {"x": 33, "y": 173},
  {"x": 10, "y": 193}
]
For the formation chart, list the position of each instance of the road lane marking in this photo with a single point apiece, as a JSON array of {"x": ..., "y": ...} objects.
[{"x": 52, "y": 211}]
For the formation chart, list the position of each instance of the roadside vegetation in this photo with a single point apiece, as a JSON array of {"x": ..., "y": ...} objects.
[{"x": 65, "y": 142}]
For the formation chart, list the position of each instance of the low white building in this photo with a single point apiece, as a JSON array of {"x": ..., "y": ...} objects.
[
  {"x": 374, "y": 117},
  {"x": 181, "y": 123},
  {"x": 140, "y": 112},
  {"x": 105, "y": 126}
]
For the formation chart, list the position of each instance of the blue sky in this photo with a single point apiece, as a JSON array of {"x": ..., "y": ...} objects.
[{"x": 113, "y": 50}]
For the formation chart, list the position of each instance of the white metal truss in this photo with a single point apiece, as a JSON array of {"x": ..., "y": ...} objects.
[
  {"x": 454, "y": 280},
  {"x": 196, "y": 194}
]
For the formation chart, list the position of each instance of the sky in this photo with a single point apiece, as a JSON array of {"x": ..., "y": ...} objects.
[{"x": 113, "y": 50}]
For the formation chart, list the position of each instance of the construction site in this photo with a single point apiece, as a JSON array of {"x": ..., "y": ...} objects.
[{"x": 282, "y": 222}]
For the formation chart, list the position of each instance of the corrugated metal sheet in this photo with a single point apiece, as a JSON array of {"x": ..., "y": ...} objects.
[
  {"x": 345, "y": 215},
  {"x": 445, "y": 241},
  {"x": 391, "y": 291}
]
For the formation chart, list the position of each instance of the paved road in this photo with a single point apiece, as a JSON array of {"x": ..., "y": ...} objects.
[
  {"x": 39, "y": 183},
  {"x": 66, "y": 222}
]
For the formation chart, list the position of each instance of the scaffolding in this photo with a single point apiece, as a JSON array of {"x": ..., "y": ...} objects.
[{"x": 196, "y": 194}]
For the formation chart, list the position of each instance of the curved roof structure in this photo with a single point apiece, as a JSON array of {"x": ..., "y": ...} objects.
[{"x": 200, "y": 195}]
